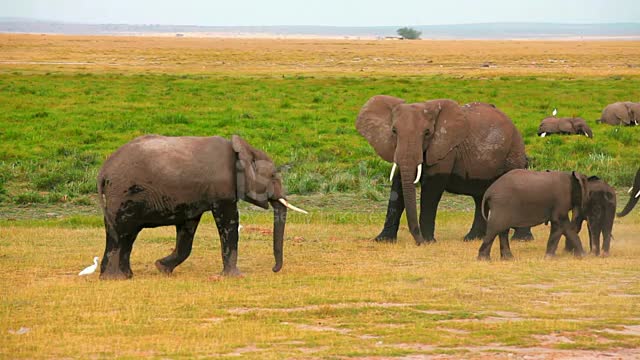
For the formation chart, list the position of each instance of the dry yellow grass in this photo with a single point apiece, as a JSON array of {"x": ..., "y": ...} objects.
[
  {"x": 339, "y": 294},
  {"x": 329, "y": 57}
]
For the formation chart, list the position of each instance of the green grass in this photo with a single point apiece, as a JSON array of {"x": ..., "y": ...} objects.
[{"x": 56, "y": 129}]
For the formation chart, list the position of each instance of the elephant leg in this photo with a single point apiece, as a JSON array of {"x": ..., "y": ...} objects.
[
  {"x": 479, "y": 226},
  {"x": 554, "y": 239},
  {"x": 485, "y": 249},
  {"x": 395, "y": 207},
  {"x": 226, "y": 216},
  {"x": 430, "y": 196},
  {"x": 184, "y": 241},
  {"x": 569, "y": 231},
  {"x": 594, "y": 237},
  {"x": 606, "y": 232},
  {"x": 116, "y": 262},
  {"x": 505, "y": 250},
  {"x": 522, "y": 234}
]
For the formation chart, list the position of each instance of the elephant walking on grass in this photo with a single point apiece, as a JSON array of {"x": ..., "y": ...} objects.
[
  {"x": 446, "y": 147},
  {"x": 530, "y": 198},
  {"x": 634, "y": 193},
  {"x": 157, "y": 181}
]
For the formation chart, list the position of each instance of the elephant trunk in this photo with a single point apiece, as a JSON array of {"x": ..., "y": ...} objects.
[
  {"x": 634, "y": 196},
  {"x": 279, "y": 221},
  {"x": 407, "y": 175}
]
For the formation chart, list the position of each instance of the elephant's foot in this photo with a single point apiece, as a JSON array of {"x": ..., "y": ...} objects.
[
  {"x": 473, "y": 235},
  {"x": 506, "y": 256},
  {"x": 227, "y": 273},
  {"x": 386, "y": 237},
  {"x": 167, "y": 270},
  {"x": 522, "y": 234},
  {"x": 117, "y": 275},
  {"x": 484, "y": 257},
  {"x": 605, "y": 254},
  {"x": 579, "y": 254},
  {"x": 549, "y": 256}
]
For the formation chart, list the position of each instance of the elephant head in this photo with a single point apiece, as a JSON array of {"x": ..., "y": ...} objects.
[
  {"x": 634, "y": 113},
  {"x": 580, "y": 127},
  {"x": 259, "y": 183},
  {"x": 409, "y": 135},
  {"x": 634, "y": 196}
]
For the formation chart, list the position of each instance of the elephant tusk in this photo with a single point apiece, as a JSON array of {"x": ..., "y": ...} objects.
[
  {"x": 393, "y": 170},
  {"x": 419, "y": 174},
  {"x": 285, "y": 203},
  {"x": 543, "y": 134},
  {"x": 630, "y": 190},
  {"x": 638, "y": 194}
]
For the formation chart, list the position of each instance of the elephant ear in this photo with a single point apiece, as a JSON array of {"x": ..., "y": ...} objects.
[
  {"x": 249, "y": 186},
  {"x": 581, "y": 193},
  {"x": 374, "y": 122},
  {"x": 451, "y": 128}
]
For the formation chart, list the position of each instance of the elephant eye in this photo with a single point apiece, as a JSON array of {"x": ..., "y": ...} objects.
[
  {"x": 394, "y": 131},
  {"x": 427, "y": 132}
]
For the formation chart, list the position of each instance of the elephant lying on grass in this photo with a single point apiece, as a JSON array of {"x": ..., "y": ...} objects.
[
  {"x": 621, "y": 113},
  {"x": 566, "y": 126},
  {"x": 157, "y": 181},
  {"x": 529, "y": 198}
]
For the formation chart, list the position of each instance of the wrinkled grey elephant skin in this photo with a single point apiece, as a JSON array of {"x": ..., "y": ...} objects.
[
  {"x": 157, "y": 181},
  {"x": 445, "y": 147}
]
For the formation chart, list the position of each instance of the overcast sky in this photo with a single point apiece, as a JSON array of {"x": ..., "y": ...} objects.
[{"x": 324, "y": 12}]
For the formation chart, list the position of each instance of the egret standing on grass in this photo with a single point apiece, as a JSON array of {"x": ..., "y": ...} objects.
[
  {"x": 555, "y": 111},
  {"x": 90, "y": 269}
]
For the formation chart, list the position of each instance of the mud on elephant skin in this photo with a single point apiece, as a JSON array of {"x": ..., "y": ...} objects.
[
  {"x": 634, "y": 195},
  {"x": 621, "y": 113},
  {"x": 158, "y": 181},
  {"x": 565, "y": 126},
  {"x": 529, "y": 198},
  {"x": 445, "y": 147},
  {"x": 599, "y": 212}
]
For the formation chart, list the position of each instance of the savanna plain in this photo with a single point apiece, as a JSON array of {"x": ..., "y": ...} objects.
[{"x": 67, "y": 102}]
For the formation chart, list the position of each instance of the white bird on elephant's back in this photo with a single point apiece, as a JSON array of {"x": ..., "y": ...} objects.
[{"x": 90, "y": 269}]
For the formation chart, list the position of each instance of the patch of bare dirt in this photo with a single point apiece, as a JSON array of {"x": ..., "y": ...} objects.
[
  {"x": 626, "y": 330},
  {"x": 243, "y": 350}
]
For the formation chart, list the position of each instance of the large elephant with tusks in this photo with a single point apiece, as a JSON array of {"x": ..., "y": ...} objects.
[
  {"x": 157, "y": 181},
  {"x": 446, "y": 147}
]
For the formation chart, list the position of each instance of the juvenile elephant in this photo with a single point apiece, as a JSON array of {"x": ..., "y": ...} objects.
[
  {"x": 529, "y": 198},
  {"x": 445, "y": 146},
  {"x": 599, "y": 212},
  {"x": 621, "y": 113},
  {"x": 156, "y": 181},
  {"x": 569, "y": 126},
  {"x": 634, "y": 196}
]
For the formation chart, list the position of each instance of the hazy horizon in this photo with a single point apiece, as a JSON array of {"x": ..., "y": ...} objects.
[{"x": 330, "y": 13}]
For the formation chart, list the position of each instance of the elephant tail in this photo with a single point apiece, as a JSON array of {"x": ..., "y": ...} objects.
[{"x": 484, "y": 207}]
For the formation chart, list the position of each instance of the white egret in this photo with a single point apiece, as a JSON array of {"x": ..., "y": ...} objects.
[
  {"x": 90, "y": 269},
  {"x": 555, "y": 111}
]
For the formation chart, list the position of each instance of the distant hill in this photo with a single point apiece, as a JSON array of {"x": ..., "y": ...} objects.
[{"x": 462, "y": 31}]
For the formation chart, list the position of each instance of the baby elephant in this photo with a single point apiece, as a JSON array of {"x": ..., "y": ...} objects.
[
  {"x": 567, "y": 126},
  {"x": 522, "y": 198},
  {"x": 600, "y": 210}
]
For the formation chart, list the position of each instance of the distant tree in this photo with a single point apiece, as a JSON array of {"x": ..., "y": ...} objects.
[{"x": 409, "y": 33}]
